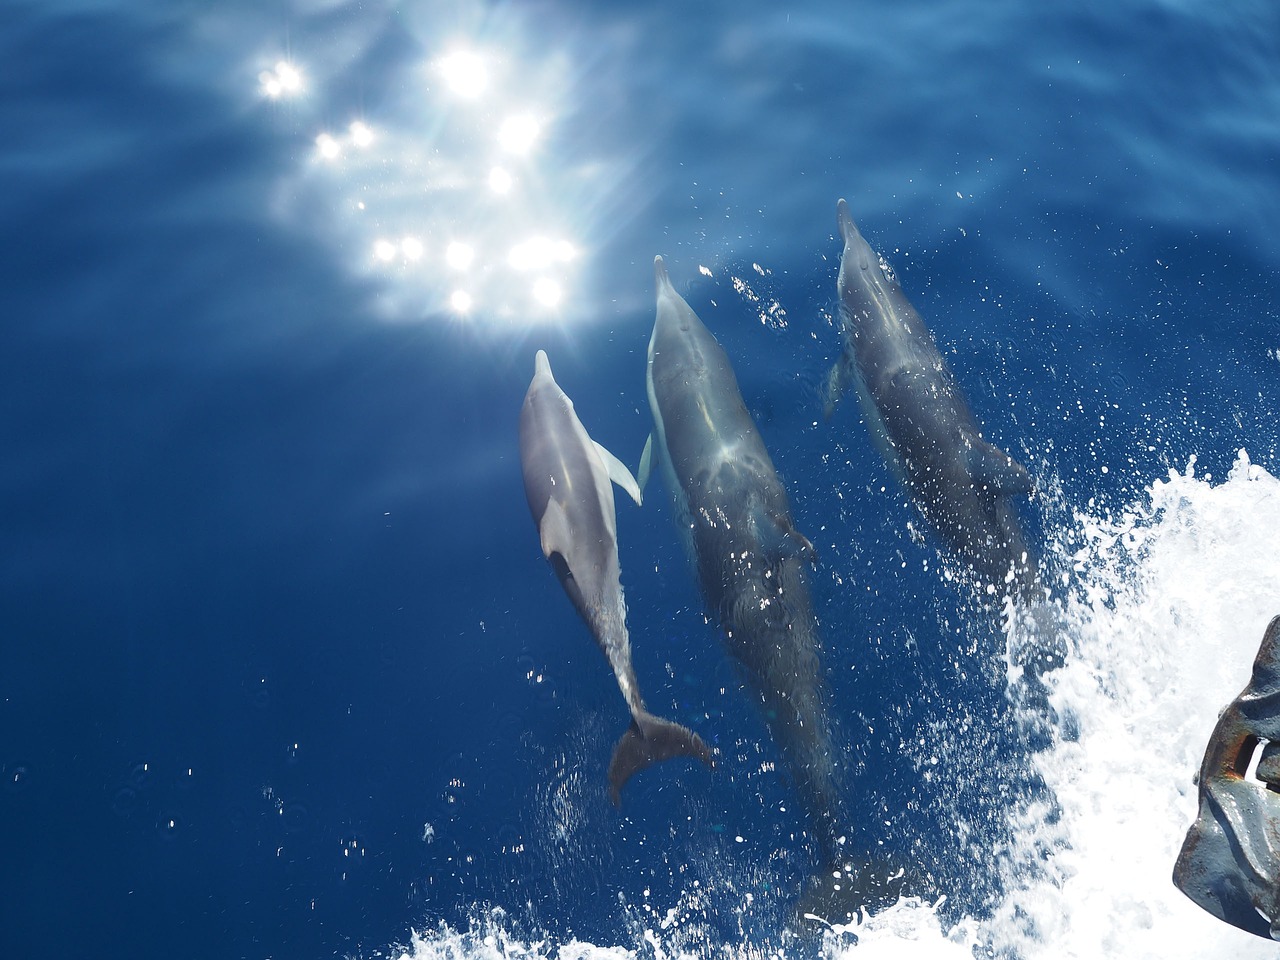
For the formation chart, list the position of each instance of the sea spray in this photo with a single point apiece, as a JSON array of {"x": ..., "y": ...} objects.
[
  {"x": 1163, "y": 615},
  {"x": 908, "y": 930},
  {"x": 1169, "y": 603}
]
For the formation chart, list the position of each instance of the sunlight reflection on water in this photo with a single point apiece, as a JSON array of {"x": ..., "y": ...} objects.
[
  {"x": 460, "y": 203},
  {"x": 283, "y": 80}
]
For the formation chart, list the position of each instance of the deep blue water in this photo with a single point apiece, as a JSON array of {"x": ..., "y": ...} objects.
[{"x": 271, "y": 599}]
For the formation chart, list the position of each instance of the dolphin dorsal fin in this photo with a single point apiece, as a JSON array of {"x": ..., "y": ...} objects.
[
  {"x": 646, "y": 464},
  {"x": 619, "y": 473},
  {"x": 553, "y": 530},
  {"x": 991, "y": 467}
]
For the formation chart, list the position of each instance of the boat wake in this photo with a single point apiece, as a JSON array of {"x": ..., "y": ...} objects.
[{"x": 1162, "y": 613}]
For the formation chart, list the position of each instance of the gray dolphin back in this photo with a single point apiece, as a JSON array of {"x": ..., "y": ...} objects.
[
  {"x": 749, "y": 559},
  {"x": 963, "y": 485}
]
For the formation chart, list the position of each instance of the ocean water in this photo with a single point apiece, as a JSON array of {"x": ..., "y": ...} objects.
[{"x": 283, "y": 672}]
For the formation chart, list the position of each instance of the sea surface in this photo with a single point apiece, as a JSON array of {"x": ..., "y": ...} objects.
[{"x": 283, "y": 672}]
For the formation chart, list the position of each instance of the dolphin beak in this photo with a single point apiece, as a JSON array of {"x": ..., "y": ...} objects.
[
  {"x": 660, "y": 277},
  {"x": 848, "y": 229}
]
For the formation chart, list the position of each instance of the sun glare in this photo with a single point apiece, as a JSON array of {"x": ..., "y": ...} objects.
[
  {"x": 465, "y": 73},
  {"x": 457, "y": 194},
  {"x": 361, "y": 135},
  {"x": 500, "y": 182},
  {"x": 547, "y": 292},
  {"x": 519, "y": 133},
  {"x": 329, "y": 147},
  {"x": 283, "y": 80},
  {"x": 460, "y": 301},
  {"x": 289, "y": 76},
  {"x": 459, "y": 255},
  {"x": 538, "y": 253}
]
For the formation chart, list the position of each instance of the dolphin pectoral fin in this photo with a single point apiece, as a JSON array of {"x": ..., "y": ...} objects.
[
  {"x": 554, "y": 531},
  {"x": 810, "y": 551},
  {"x": 619, "y": 473},
  {"x": 839, "y": 379},
  {"x": 802, "y": 545},
  {"x": 779, "y": 539},
  {"x": 646, "y": 464},
  {"x": 991, "y": 467},
  {"x": 650, "y": 740}
]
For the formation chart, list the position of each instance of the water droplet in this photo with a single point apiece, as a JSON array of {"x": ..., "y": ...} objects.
[
  {"x": 16, "y": 776},
  {"x": 171, "y": 825}
]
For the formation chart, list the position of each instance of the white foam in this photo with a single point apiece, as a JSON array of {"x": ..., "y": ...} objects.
[
  {"x": 909, "y": 930},
  {"x": 1170, "y": 601},
  {"x": 488, "y": 939},
  {"x": 1173, "y": 598}
]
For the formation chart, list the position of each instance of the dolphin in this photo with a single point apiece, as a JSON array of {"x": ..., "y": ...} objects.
[
  {"x": 963, "y": 485},
  {"x": 748, "y": 556},
  {"x": 567, "y": 480}
]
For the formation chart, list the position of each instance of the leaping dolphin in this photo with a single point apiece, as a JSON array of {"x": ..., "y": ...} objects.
[
  {"x": 749, "y": 557},
  {"x": 962, "y": 484},
  {"x": 567, "y": 480}
]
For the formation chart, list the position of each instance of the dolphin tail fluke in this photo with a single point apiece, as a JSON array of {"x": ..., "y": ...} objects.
[{"x": 650, "y": 740}]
